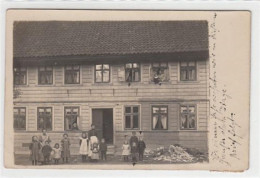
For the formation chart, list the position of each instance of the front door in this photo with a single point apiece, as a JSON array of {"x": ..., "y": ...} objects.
[{"x": 103, "y": 121}]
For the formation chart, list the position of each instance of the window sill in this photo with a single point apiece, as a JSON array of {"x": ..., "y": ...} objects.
[{"x": 188, "y": 82}]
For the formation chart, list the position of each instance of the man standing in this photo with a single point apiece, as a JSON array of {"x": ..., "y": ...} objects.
[{"x": 133, "y": 139}]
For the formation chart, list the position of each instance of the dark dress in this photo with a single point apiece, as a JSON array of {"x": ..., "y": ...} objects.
[
  {"x": 65, "y": 143},
  {"x": 92, "y": 132},
  {"x": 103, "y": 151},
  {"x": 141, "y": 148},
  {"x": 46, "y": 151},
  {"x": 134, "y": 151},
  {"x": 35, "y": 147},
  {"x": 133, "y": 139}
]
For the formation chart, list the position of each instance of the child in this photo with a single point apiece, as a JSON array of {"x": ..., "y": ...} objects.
[
  {"x": 103, "y": 149},
  {"x": 35, "y": 147},
  {"x": 141, "y": 148},
  {"x": 46, "y": 152},
  {"x": 57, "y": 153},
  {"x": 65, "y": 144},
  {"x": 126, "y": 150},
  {"x": 83, "y": 150},
  {"x": 95, "y": 152},
  {"x": 134, "y": 151}
]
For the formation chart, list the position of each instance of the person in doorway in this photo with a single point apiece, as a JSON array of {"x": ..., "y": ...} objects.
[
  {"x": 65, "y": 144},
  {"x": 84, "y": 143},
  {"x": 93, "y": 131},
  {"x": 103, "y": 149},
  {"x": 141, "y": 148}
]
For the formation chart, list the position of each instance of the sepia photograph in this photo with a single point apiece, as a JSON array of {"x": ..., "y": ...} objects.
[{"x": 125, "y": 89}]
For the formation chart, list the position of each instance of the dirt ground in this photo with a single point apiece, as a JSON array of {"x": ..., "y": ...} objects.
[{"x": 24, "y": 160}]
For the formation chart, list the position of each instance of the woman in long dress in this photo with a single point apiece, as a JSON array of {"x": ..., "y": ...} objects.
[{"x": 83, "y": 150}]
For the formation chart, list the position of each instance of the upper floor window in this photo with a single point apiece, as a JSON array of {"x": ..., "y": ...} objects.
[
  {"x": 132, "y": 72},
  {"x": 20, "y": 74},
  {"x": 72, "y": 74},
  {"x": 71, "y": 118},
  {"x": 132, "y": 117},
  {"x": 45, "y": 75},
  {"x": 188, "y": 71},
  {"x": 188, "y": 117},
  {"x": 102, "y": 73},
  {"x": 44, "y": 119},
  {"x": 160, "y": 117},
  {"x": 19, "y": 118},
  {"x": 159, "y": 72}
]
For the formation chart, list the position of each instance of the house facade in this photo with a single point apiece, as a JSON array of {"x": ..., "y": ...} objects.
[{"x": 122, "y": 76}]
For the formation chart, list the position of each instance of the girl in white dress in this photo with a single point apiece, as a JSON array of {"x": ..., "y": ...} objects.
[
  {"x": 126, "y": 150},
  {"x": 83, "y": 150}
]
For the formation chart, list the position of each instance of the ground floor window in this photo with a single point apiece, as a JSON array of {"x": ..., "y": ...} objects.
[
  {"x": 44, "y": 118},
  {"x": 132, "y": 117},
  {"x": 188, "y": 117},
  {"x": 71, "y": 118},
  {"x": 19, "y": 118},
  {"x": 159, "y": 117}
]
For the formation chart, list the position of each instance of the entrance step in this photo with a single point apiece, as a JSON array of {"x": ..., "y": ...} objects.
[{"x": 111, "y": 149}]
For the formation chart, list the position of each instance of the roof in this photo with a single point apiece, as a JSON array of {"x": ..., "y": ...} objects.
[{"x": 90, "y": 38}]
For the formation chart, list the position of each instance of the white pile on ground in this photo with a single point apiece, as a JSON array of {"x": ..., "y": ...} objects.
[{"x": 173, "y": 154}]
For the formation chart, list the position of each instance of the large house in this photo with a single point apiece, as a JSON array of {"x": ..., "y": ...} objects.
[{"x": 145, "y": 76}]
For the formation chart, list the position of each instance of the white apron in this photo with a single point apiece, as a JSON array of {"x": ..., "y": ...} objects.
[{"x": 83, "y": 150}]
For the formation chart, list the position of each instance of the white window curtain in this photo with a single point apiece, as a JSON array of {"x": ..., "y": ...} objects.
[{"x": 155, "y": 120}]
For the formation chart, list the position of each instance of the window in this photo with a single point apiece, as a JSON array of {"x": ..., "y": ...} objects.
[
  {"x": 132, "y": 72},
  {"x": 45, "y": 75},
  {"x": 131, "y": 117},
  {"x": 44, "y": 118},
  {"x": 159, "y": 72},
  {"x": 72, "y": 74},
  {"x": 20, "y": 118},
  {"x": 102, "y": 73},
  {"x": 71, "y": 118},
  {"x": 188, "y": 71},
  {"x": 160, "y": 117},
  {"x": 20, "y": 75},
  {"x": 188, "y": 117}
]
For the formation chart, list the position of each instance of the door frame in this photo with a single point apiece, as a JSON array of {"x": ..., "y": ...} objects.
[{"x": 103, "y": 107}]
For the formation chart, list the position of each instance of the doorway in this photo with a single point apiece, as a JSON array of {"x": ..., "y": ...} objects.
[{"x": 103, "y": 121}]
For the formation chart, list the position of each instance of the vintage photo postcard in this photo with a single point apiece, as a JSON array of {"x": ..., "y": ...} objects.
[{"x": 104, "y": 89}]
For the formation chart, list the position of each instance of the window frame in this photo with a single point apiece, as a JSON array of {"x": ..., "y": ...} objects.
[
  {"x": 195, "y": 115},
  {"x": 187, "y": 69},
  {"x": 45, "y": 71},
  {"x": 160, "y": 67},
  {"x": 25, "y": 73},
  {"x": 71, "y": 70},
  {"x": 131, "y": 117},
  {"x": 133, "y": 69},
  {"x": 19, "y": 117},
  {"x": 71, "y": 107},
  {"x": 38, "y": 113},
  {"x": 152, "y": 114},
  {"x": 109, "y": 70}
]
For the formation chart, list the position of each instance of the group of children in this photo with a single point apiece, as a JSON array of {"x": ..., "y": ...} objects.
[
  {"x": 134, "y": 147},
  {"x": 90, "y": 148}
]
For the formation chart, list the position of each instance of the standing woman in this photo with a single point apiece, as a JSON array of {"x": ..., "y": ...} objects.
[
  {"x": 65, "y": 145},
  {"x": 43, "y": 138}
]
